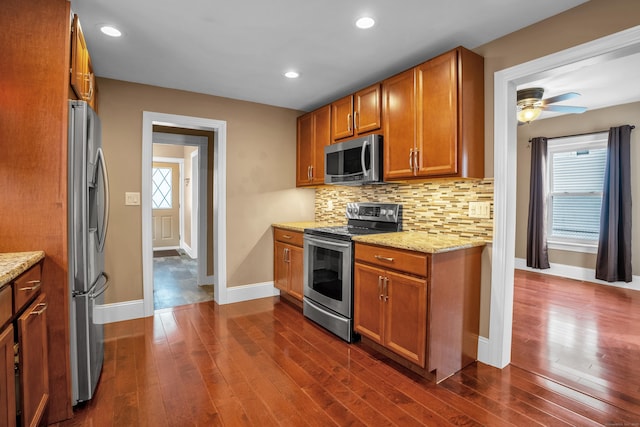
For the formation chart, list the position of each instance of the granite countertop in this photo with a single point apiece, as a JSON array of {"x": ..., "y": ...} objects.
[
  {"x": 421, "y": 241},
  {"x": 300, "y": 226},
  {"x": 13, "y": 264}
]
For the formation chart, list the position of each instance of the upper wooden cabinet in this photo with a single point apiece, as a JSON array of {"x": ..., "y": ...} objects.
[
  {"x": 314, "y": 131},
  {"x": 434, "y": 119},
  {"x": 357, "y": 114},
  {"x": 82, "y": 78}
]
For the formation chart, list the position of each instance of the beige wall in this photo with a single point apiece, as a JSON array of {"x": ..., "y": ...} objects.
[
  {"x": 261, "y": 149},
  {"x": 587, "y": 22},
  {"x": 590, "y": 121}
]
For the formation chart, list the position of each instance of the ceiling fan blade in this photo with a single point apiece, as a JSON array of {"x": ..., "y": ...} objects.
[
  {"x": 560, "y": 98},
  {"x": 565, "y": 109}
]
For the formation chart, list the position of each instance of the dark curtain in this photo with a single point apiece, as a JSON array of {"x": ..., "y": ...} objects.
[
  {"x": 613, "y": 262},
  {"x": 537, "y": 256}
]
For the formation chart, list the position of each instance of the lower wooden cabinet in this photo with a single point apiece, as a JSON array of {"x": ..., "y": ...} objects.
[
  {"x": 422, "y": 308},
  {"x": 33, "y": 362},
  {"x": 391, "y": 309},
  {"x": 288, "y": 262},
  {"x": 7, "y": 379},
  {"x": 24, "y": 370}
]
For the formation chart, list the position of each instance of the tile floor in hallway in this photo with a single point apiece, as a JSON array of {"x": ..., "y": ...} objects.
[{"x": 175, "y": 282}]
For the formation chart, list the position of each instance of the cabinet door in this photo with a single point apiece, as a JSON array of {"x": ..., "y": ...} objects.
[
  {"x": 437, "y": 116},
  {"x": 33, "y": 362},
  {"x": 367, "y": 115},
  {"x": 399, "y": 125},
  {"x": 79, "y": 60},
  {"x": 7, "y": 379},
  {"x": 405, "y": 328},
  {"x": 342, "y": 118},
  {"x": 305, "y": 150},
  {"x": 321, "y": 138},
  {"x": 367, "y": 302},
  {"x": 280, "y": 266},
  {"x": 296, "y": 273}
]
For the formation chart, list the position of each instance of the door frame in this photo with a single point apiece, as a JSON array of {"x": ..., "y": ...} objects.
[
  {"x": 219, "y": 128},
  {"x": 180, "y": 163},
  {"x": 195, "y": 202},
  {"x": 496, "y": 350}
]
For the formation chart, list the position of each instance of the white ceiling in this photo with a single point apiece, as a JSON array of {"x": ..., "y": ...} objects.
[{"x": 240, "y": 49}]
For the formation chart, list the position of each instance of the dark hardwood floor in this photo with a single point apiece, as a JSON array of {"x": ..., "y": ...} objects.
[
  {"x": 262, "y": 363},
  {"x": 583, "y": 335}
]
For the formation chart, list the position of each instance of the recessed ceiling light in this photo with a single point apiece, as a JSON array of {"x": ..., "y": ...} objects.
[
  {"x": 110, "y": 31},
  {"x": 365, "y": 22},
  {"x": 291, "y": 75}
]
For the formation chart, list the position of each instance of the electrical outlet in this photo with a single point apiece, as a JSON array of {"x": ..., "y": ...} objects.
[
  {"x": 479, "y": 209},
  {"x": 131, "y": 199}
]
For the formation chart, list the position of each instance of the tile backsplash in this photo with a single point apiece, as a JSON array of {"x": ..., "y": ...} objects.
[{"x": 438, "y": 207}]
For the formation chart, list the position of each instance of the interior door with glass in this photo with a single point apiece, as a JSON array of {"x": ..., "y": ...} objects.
[{"x": 166, "y": 205}]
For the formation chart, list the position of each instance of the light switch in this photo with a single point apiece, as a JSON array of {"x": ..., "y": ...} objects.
[
  {"x": 480, "y": 209},
  {"x": 131, "y": 199}
]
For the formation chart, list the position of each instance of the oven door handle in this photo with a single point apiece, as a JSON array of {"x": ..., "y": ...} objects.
[{"x": 328, "y": 242}]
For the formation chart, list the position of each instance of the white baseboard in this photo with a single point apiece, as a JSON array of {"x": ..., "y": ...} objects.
[
  {"x": 483, "y": 350},
  {"x": 577, "y": 273},
  {"x": 117, "y": 312},
  {"x": 249, "y": 292},
  {"x": 188, "y": 250}
]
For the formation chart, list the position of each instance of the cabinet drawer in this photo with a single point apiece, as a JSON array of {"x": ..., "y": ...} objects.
[
  {"x": 5, "y": 304},
  {"x": 26, "y": 286},
  {"x": 397, "y": 259},
  {"x": 287, "y": 236}
]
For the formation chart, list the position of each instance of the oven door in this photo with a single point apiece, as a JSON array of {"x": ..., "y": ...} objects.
[{"x": 328, "y": 273}]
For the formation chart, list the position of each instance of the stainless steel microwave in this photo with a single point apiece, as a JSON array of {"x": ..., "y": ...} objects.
[{"x": 354, "y": 162}]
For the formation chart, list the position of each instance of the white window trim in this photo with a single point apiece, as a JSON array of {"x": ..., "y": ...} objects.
[{"x": 569, "y": 143}]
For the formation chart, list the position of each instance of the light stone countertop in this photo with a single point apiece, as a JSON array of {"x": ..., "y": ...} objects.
[
  {"x": 13, "y": 264},
  {"x": 300, "y": 226},
  {"x": 421, "y": 241}
]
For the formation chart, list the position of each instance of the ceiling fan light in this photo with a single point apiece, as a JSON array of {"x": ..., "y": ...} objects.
[{"x": 528, "y": 114}]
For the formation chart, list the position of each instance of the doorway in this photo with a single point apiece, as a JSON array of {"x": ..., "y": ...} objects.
[
  {"x": 498, "y": 347},
  {"x": 211, "y": 216}
]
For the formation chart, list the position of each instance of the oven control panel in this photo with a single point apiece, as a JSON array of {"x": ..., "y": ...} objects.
[{"x": 369, "y": 211}]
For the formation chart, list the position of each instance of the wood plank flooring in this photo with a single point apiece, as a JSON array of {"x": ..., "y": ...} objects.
[
  {"x": 262, "y": 363},
  {"x": 583, "y": 335}
]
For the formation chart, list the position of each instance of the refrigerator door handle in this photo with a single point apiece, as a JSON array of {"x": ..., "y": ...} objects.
[
  {"x": 103, "y": 167},
  {"x": 95, "y": 294}
]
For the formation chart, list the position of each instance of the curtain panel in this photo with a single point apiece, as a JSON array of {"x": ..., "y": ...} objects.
[
  {"x": 613, "y": 262},
  {"x": 537, "y": 253}
]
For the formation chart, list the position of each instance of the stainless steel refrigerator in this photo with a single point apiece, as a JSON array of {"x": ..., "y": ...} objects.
[{"x": 88, "y": 219}]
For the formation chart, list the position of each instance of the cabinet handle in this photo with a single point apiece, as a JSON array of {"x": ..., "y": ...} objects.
[
  {"x": 386, "y": 289},
  {"x": 310, "y": 173},
  {"x": 286, "y": 236},
  {"x": 411, "y": 160},
  {"x": 286, "y": 255},
  {"x": 36, "y": 285},
  {"x": 380, "y": 288},
  {"x": 416, "y": 167},
  {"x": 383, "y": 258},
  {"x": 356, "y": 121},
  {"x": 36, "y": 312},
  {"x": 349, "y": 122}
]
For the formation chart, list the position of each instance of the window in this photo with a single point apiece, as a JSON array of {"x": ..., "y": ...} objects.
[
  {"x": 161, "y": 194},
  {"x": 576, "y": 179}
]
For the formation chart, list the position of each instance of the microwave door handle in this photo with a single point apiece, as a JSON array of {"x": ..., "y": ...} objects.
[{"x": 365, "y": 172}]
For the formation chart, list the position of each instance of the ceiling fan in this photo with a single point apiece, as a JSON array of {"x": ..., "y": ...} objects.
[{"x": 530, "y": 104}]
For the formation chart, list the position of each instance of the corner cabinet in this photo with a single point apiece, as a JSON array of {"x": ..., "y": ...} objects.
[
  {"x": 357, "y": 114},
  {"x": 313, "y": 135},
  {"x": 422, "y": 310},
  {"x": 434, "y": 119},
  {"x": 288, "y": 262}
]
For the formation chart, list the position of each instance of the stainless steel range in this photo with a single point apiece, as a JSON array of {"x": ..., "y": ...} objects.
[{"x": 328, "y": 264}]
